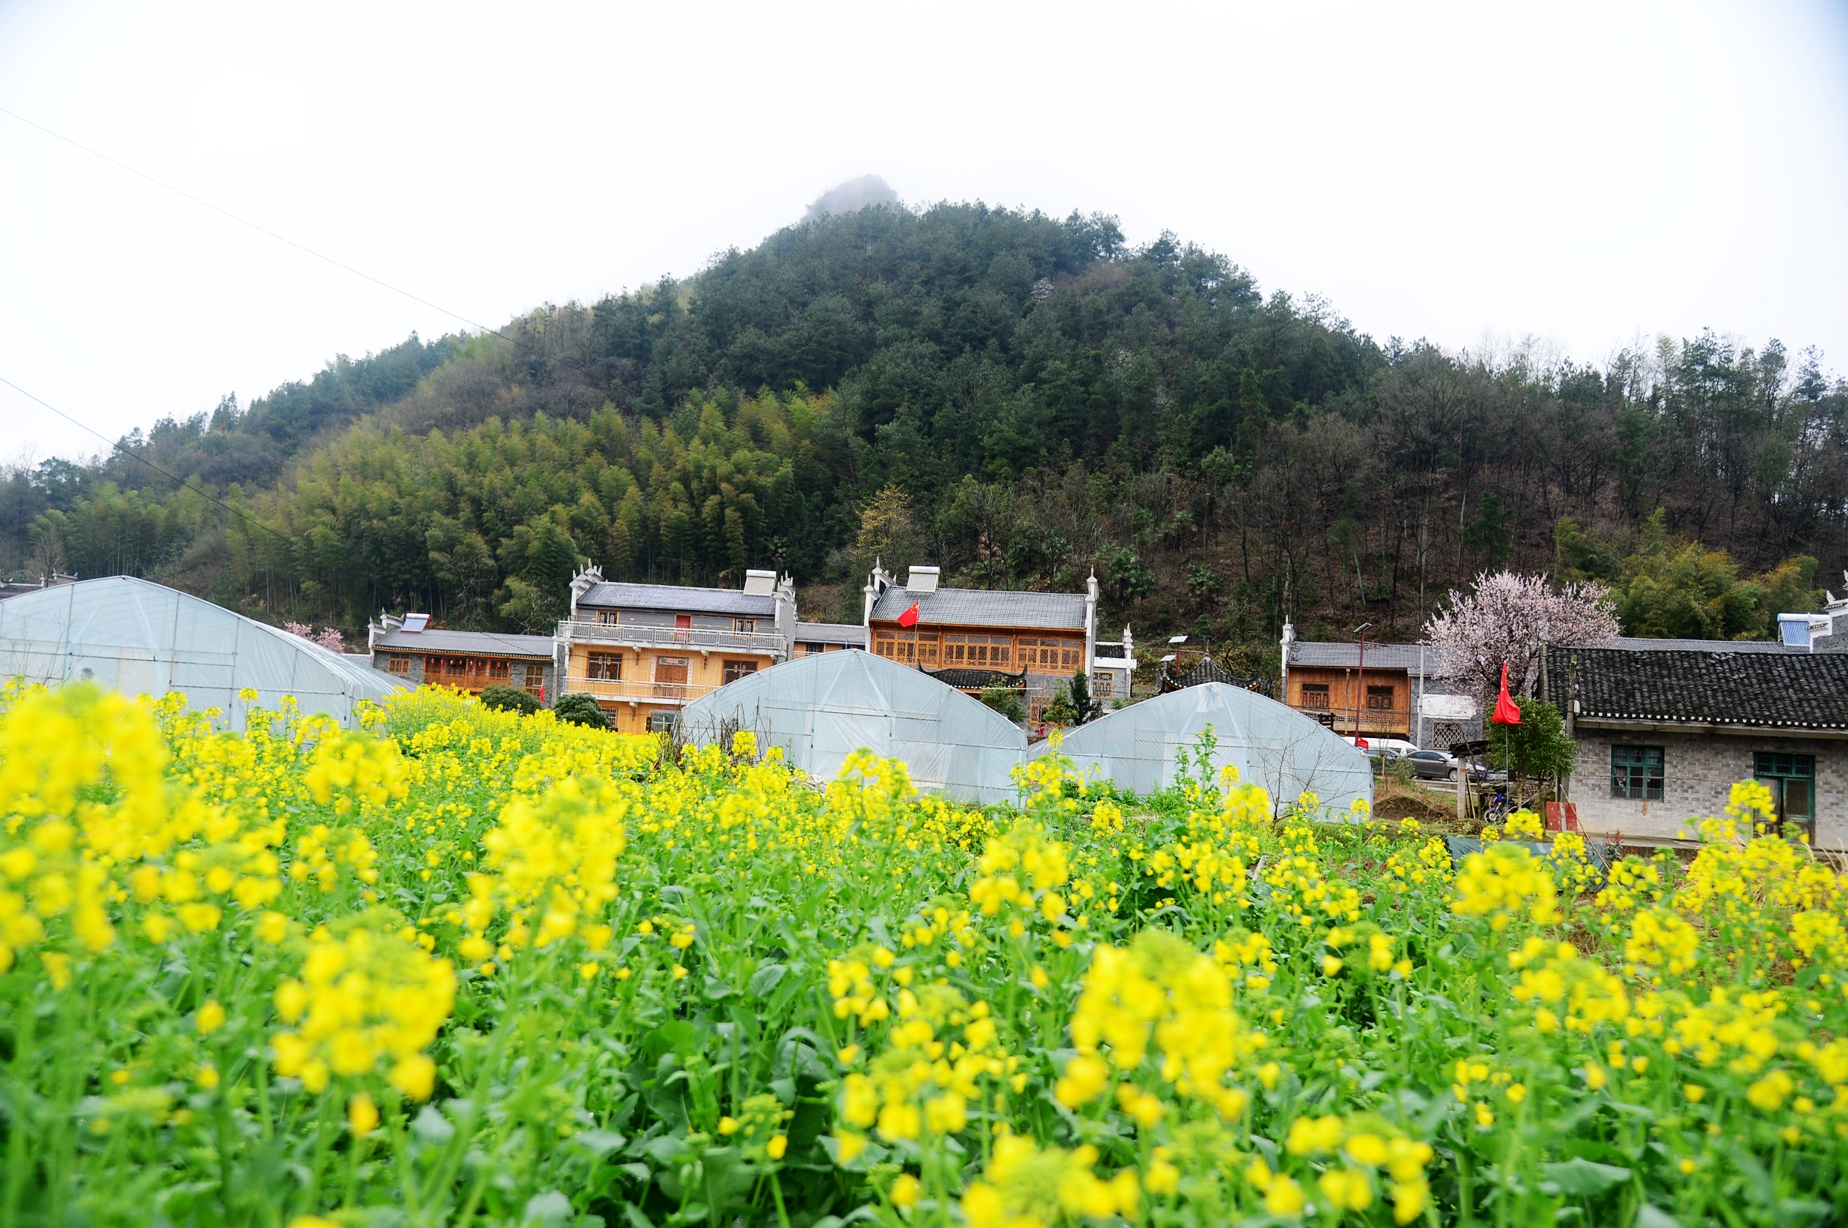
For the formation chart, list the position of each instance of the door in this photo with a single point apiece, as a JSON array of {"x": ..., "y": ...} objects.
[
  {"x": 683, "y": 629},
  {"x": 670, "y": 677},
  {"x": 1791, "y": 780}
]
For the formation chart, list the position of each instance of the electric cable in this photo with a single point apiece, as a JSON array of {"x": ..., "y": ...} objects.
[
  {"x": 123, "y": 449},
  {"x": 301, "y": 247}
]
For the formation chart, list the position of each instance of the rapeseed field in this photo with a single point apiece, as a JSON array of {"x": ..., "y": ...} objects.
[{"x": 472, "y": 968}]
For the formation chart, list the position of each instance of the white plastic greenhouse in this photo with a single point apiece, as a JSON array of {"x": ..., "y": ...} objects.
[
  {"x": 1269, "y": 743},
  {"x": 145, "y": 639},
  {"x": 823, "y": 707}
]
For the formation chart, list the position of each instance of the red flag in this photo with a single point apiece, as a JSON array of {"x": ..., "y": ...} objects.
[
  {"x": 910, "y": 617},
  {"x": 1507, "y": 712}
]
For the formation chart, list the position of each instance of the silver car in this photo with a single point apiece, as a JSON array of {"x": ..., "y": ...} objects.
[{"x": 1432, "y": 764}]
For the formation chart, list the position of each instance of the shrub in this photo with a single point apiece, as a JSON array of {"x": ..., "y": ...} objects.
[
  {"x": 1006, "y": 701},
  {"x": 508, "y": 699},
  {"x": 580, "y": 710}
]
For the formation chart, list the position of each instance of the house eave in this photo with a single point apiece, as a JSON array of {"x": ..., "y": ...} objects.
[{"x": 1625, "y": 725}]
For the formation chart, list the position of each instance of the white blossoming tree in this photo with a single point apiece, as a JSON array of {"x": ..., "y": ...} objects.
[{"x": 1512, "y": 618}]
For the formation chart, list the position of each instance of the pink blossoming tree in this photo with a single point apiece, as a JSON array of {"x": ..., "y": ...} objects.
[
  {"x": 328, "y": 637},
  {"x": 1512, "y": 618}
]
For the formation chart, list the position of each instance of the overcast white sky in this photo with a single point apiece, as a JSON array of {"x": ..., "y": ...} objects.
[{"x": 1588, "y": 174}]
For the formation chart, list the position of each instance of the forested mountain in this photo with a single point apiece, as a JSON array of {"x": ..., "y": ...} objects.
[{"x": 1018, "y": 398}]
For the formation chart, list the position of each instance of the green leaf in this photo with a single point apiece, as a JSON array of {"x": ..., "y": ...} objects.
[
  {"x": 1650, "y": 1217},
  {"x": 1584, "y": 1177},
  {"x": 598, "y": 1142},
  {"x": 765, "y": 978}
]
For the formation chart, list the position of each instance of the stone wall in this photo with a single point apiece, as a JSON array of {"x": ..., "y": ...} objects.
[{"x": 1699, "y": 771}]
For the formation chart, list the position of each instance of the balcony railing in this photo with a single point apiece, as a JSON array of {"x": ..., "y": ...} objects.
[
  {"x": 1373, "y": 721},
  {"x": 641, "y": 690},
  {"x": 705, "y": 639}
]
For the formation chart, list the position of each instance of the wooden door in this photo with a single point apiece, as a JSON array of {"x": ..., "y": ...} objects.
[
  {"x": 670, "y": 677},
  {"x": 683, "y": 629}
]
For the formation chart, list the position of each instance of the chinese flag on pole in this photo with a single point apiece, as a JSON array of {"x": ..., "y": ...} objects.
[
  {"x": 1507, "y": 712},
  {"x": 910, "y": 617}
]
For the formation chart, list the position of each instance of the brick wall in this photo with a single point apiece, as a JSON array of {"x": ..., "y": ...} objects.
[{"x": 1699, "y": 771}]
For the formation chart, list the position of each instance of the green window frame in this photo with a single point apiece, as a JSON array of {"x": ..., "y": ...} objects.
[
  {"x": 1792, "y": 782},
  {"x": 1638, "y": 773}
]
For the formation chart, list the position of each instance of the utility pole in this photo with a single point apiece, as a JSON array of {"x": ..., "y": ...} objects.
[{"x": 1360, "y": 686}]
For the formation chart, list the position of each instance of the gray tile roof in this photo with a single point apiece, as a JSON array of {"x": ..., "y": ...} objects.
[
  {"x": 1382, "y": 656},
  {"x": 974, "y": 607},
  {"x": 474, "y": 643},
  {"x": 964, "y": 679},
  {"x": 830, "y": 633},
  {"x": 1792, "y": 691},
  {"x": 676, "y": 599},
  {"x": 1405, "y": 656}
]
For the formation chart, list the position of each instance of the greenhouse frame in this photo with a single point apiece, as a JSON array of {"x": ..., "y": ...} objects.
[
  {"x": 1269, "y": 743},
  {"x": 821, "y": 708},
  {"x": 143, "y": 638}
]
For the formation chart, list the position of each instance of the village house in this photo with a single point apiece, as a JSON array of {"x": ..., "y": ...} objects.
[
  {"x": 644, "y": 650},
  {"x": 1393, "y": 691},
  {"x": 973, "y": 639},
  {"x": 1663, "y": 733},
  {"x": 408, "y": 648}
]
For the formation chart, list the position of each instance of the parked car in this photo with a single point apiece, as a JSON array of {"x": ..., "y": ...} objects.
[
  {"x": 1432, "y": 764},
  {"x": 1385, "y": 748}
]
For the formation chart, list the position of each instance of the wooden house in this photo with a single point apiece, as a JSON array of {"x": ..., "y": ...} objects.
[
  {"x": 409, "y": 649},
  {"x": 974, "y": 639}
]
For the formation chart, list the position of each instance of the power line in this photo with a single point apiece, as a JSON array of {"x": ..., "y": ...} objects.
[
  {"x": 118, "y": 446},
  {"x": 300, "y": 247}
]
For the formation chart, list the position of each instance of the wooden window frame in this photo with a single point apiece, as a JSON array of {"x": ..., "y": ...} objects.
[{"x": 732, "y": 671}]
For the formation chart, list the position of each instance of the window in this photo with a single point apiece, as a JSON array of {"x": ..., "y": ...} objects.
[
  {"x": 1049, "y": 655},
  {"x": 1315, "y": 695},
  {"x": 660, "y": 722},
  {"x": 604, "y": 667},
  {"x": 735, "y": 670},
  {"x": 979, "y": 651},
  {"x": 1636, "y": 772},
  {"x": 744, "y": 626},
  {"x": 609, "y": 618},
  {"x": 908, "y": 647},
  {"x": 1792, "y": 781},
  {"x": 1379, "y": 698},
  {"x": 1104, "y": 685},
  {"x": 397, "y": 665},
  {"x": 535, "y": 682}
]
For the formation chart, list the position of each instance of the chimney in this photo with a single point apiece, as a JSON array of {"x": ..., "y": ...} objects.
[
  {"x": 922, "y": 580},
  {"x": 759, "y": 583}
]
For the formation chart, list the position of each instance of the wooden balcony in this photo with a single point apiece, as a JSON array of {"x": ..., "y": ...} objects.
[
  {"x": 583, "y": 630},
  {"x": 1374, "y": 722},
  {"x": 640, "y": 690}
]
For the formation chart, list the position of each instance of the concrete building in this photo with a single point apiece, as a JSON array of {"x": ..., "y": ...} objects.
[
  {"x": 1664, "y": 733},
  {"x": 645, "y": 650}
]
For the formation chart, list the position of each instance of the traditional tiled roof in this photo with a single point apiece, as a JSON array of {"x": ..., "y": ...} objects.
[
  {"x": 974, "y": 607},
  {"x": 830, "y": 633},
  {"x": 471, "y": 643},
  {"x": 1406, "y": 656},
  {"x": 676, "y": 599},
  {"x": 975, "y": 679},
  {"x": 1204, "y": 670},
  {"x": 1769, "y": 690}
]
